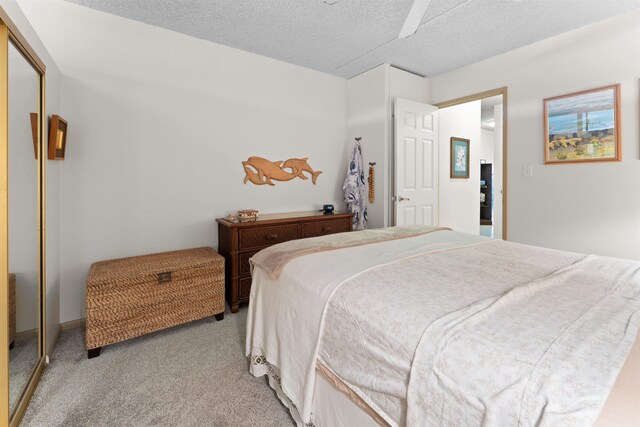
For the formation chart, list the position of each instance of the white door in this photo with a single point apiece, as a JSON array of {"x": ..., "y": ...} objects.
[{"x": 416, "y": 163}]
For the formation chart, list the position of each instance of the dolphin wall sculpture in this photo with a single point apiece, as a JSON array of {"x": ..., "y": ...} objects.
[
  {"x": 261, "y": 171},
  {"x": 265, "y": 171},
  {"x": 298, "y": 166}
]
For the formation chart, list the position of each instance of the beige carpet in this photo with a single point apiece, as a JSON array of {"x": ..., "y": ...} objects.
[
  {"x": 22, "y": 361},
  {"x": 190, "y": 375}
]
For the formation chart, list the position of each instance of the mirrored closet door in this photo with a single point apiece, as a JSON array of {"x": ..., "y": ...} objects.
[
  {"x": 22, "y": 161},
  {"x": 24, "y": 268}
]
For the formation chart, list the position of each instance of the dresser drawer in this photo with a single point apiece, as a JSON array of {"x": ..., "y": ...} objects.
[
  {"x": 245, "y": 288},
  {"x": 245, "y": 266},
  {"x": 261, "y": 237},
  {"x": 238, "y": 242},
  {"x": 320, "y": 228}
]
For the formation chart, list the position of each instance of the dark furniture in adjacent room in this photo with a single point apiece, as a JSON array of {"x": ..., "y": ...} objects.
[{"x": 486, "y": 189}]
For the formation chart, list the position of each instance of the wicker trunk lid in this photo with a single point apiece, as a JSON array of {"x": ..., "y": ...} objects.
[{"x": 130, "y": 297}]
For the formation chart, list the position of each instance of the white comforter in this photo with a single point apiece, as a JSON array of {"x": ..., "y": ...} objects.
[{"x": 460, "y": 304}]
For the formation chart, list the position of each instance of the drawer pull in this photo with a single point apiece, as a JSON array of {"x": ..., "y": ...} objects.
[
  {"x": 271, "y": 236},
  {"x": 326, "y": 229}
]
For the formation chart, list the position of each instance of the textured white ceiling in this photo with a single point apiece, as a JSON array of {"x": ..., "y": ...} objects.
[{"x": 352, "y": 36}]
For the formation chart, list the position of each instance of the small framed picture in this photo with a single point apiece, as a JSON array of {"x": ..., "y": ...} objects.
[
  {"x": 459, "y": 158},
  {"x": 57, "y": 138},
  {"x": 583, "y": 127}
]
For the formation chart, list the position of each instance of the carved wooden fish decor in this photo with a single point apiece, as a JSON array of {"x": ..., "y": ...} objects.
[{"x": 261, "y": 171}]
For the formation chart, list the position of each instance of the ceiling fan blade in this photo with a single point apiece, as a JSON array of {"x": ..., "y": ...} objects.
[{"x": 414, "y": 18}]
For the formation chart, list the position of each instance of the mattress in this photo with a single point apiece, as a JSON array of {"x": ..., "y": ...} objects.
[{"x": 304, "y": 315}]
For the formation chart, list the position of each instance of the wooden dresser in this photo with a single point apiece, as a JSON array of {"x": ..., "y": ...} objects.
[{"x": 239, "y": 241}]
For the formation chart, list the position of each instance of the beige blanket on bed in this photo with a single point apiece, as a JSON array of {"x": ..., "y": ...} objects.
[
  {"x": 273, "y": 259},
  {"x": 493, "y": 334},
  {"x": 544, "y": 354}
]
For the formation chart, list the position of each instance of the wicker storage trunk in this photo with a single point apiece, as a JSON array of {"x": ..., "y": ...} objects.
[{"x": 134, "y": 296}]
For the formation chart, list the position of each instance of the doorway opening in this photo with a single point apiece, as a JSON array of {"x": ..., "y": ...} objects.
[
  {"x": 477, "y": 204},
  {"x": 490, "y": 167}
]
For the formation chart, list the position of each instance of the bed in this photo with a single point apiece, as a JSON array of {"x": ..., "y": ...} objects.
[{"x": 422, "y": 326}]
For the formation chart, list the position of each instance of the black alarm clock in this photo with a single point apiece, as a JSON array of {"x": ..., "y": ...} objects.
[{"x": 327, "y": 209}]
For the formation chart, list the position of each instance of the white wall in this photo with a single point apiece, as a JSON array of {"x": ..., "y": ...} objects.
[
  {"x": 486, "y": 145},
  {"x": 460, "y": 198},
  {"x": 592, "y": 208},
  {"x": 370, "y": 116},
  {"x": 367, "y": 118},
  {"x": 16, "y": 14},
  {"x": 159, "y": 124}
]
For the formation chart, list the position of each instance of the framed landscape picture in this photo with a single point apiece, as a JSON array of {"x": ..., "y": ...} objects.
[
  {"x": 583, "y": 127},
  {"x": 459, "y": 157}
]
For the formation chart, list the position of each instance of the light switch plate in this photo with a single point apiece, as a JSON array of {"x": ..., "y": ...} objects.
[{"x": 527, "y": 170}]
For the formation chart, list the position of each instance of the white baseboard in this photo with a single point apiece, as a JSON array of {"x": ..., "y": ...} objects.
[{"x": 72, "y": 324}]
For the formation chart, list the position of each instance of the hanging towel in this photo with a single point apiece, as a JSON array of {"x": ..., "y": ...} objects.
[{"x": 355, "y": 189}]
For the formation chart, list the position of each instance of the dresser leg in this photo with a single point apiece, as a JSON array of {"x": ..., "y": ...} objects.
[
  {"x": 234, "y": 308},
  {"x": 219, "y": 316},
  {"x": 94, "y": 352}
]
